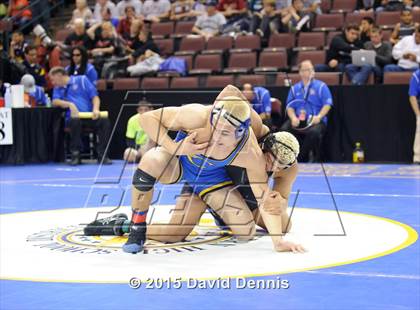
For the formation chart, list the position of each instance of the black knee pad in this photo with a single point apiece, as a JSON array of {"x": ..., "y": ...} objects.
[{"x": 143, "y": 181}]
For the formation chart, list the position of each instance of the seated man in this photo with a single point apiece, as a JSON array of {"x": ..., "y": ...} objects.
[
  {"x": 308, "y": 103},
  {"x": 77, "y": 94},
  {"x": 122, "y": 6},
  {"x": 156, "y": 10},
  {"x": 404, "y": 28},
  {"x": 232, "y": 10},
  {"x": 17, "y": 47},
  {"x": 260, "y": 99},
  {"x": 33, "y": 67},
  {"x": 296, "y": 19},
  {"x": 339, "y": 53},
  {"x": 104, "y": 43},
  {"x": 265, "y": 22},
  {"x": 137, "y": 141},
  {"x": 210, "y": 23},
  {"x": 407, "y": 53},
  {"x": 383, "y": 52},
  {"x": 34, "y": 95}
]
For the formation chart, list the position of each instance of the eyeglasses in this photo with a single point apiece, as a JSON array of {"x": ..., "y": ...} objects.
[{"x": 78, "y": 55}]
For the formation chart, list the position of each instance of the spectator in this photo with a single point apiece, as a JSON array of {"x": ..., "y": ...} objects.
[
  {"x": 407, "y": 53},
  {"x": 123, "y": 4},
  {"x": 404, "y": 28},
  {"x": 124, "y": 25},
  {"x": 107, "y": 17},
  {"x": 367, "y": 5},
  {"x": 81, "y": 11},
  {"x": 138, "y": 142},
  {"x": 77, "y": 94},
  {"x": 414, "y": 93},
  {"x": 156, "y": 10},
  {"x": 17, "y": 47},
  {"x": 32, "y": 67},
  {"x": 266, "y": 22},
  {"x": 209, "y": 24},
  {"x": 100, "y": 6},
  {"x": 79, "y": 65},
  {"x": 104, "y": 43},
  {"x": 260, "y": 99},
  {"x": 312, "y": 7},
  {"x": 383, "y": 52},
  {"x": 339, "y": 53},
  {"x": 183, "y": 10},
  {"x": 411, "y": 4},
  {"x": 17, "y": 10},
  {"x": 366, "y": 26},
  {"x": 282, "y": 6},
  {"x": 308, "y": 98},
  {"x": 233, "y": 10},
  {"x": 132, "y": 37},
  {"x": 390, "y": 6},
  {"x": 35, "y": 94},
  {"x": 79, "y": 36},
  {"x": 295, "y": 18},
  {"x": 143, "y": 43}
]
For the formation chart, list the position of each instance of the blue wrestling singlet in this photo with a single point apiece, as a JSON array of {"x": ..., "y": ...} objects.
[{"x": 205, "y": 174}]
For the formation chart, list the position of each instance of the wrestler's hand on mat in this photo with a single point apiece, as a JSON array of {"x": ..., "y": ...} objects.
[
  {"x": 189, "y": 146},
  {"x": 274, "y": 204},
  {"x": 287, "y": 246}
]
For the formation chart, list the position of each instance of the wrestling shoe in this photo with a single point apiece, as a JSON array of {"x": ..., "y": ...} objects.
[
  {"x": 136, "y": 239},
  {"x": 109, "y": 226}
]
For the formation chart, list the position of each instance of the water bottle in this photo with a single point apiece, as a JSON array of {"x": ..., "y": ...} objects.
[
  {"x": 8, "y": 95},
  {"x": 48, "y": 103},
  {"x": 358, "y": 154}
]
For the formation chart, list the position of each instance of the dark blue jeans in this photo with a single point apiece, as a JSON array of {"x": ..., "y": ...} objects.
[{"x": 358, "y": 75}]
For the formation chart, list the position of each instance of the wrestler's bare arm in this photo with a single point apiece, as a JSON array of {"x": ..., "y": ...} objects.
[
  {"x": 284, "y": 179},
  {"x": 156, "y": 123},
  {"x": 252, "y": 159}
]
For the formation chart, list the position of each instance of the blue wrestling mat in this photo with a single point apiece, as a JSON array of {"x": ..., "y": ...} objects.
[{"x": 366, "y": 256}]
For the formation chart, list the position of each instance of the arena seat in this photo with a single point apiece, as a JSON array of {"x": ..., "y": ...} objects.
[
  {"x": 101, "y": 84},
  {"x": 184, "y": 82},
  {"x": 310, "y": 41},
  {"x": 218, "y": 45},
  {"x": 356, "y": 18},
  {"x": 183, "y": 28},
  {"x": 272, "y": 61},
  {"x": 316, "y": 57},
  {"x": 241, "y": 62},
  {"x": 329, "y": 22},
  {"x": 219, "y": 81},
  {"x": 162, "y": 30},
  {"x": 281, "y": 40},
  {"x": 166, "y": 46},
  {"x": 329, "y": 78},
  {"x": 126, "y": 83},
  {"x": 207, "y": 64},
  {"x": 325, "y": 6},
  {"x": 191, "y": 45},
  {"x": 247, "y": 43},
  {"x": 387, "y": 20},
  {"x": 155, "y": 83},
  {"x": 397, "y": 77},
  {"x": 343, "y": 6},
  {"x": 255, "y": 80},
  {"x": 281, "y": 77},
  {"x": 62, "y": 34}
]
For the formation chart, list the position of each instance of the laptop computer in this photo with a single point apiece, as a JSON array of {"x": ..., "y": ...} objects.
[{"x": 363, "y": 57}]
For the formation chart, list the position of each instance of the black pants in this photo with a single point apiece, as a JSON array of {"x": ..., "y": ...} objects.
[
  {"x": 101, "y": 127},
  {"x": 309, "y": 139},
  {"x": 266, "y": 24}
]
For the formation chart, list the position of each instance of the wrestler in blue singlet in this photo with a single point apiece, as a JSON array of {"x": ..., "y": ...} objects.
[{"x": 205, "y": 174}]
